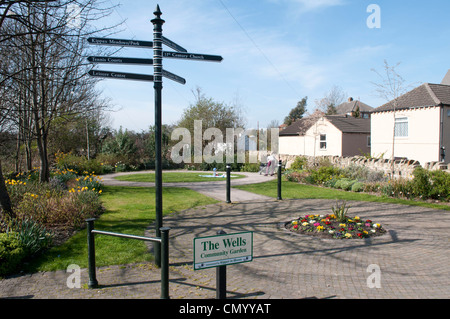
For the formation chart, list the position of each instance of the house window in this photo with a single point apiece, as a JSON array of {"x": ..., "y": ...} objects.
[
  {"x": 323, "y": 141},
  {"x": 401, "y": 127}
]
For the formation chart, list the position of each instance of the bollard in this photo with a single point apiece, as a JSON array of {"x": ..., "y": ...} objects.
[
  {"x": 164, "y": 262},
  {"x": 93, "y": 283},
  {"x": 228, "y": 183},
  {"x": 279, "y": 180},
  {"x": 221, "y": 277}
]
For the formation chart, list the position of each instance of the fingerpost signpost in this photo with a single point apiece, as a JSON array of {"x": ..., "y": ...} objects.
[{"x": 156, "y": 78}]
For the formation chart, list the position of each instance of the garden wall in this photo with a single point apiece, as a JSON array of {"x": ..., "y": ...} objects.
[{"x": 402, "y": 167}]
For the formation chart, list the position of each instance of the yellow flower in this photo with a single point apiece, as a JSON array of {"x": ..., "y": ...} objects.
[
  {"x": 319, "y": 228},
  {"x": 342, "y": 225},
  {"x": 348, "y": 235}
]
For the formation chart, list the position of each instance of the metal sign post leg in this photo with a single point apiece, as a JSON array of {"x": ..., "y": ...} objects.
[{"x": 221, "y": 277}]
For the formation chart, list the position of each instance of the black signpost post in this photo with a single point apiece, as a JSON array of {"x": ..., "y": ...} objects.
[
  {"x": 156, "y": 78},
  {"x": 158, "y": 85}
]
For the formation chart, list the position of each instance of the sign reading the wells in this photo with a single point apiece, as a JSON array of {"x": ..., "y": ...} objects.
[{"x": 221, "y": 250}]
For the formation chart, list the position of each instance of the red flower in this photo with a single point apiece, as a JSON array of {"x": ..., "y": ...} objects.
[
  {"x": 327, "y": 223},
  {"x": 295, "y": 226},
  {"x": 360, "y": 235},
  {"x": 368, "y": 221}
]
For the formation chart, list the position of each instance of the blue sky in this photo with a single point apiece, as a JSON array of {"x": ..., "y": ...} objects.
[{"x": 276, "y": 52}]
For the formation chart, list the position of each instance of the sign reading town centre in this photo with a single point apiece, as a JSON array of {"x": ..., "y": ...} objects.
[{"x": 222, "y": 250}]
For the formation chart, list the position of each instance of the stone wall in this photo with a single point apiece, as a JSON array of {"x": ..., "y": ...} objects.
[{"x": 402, "y": 167}]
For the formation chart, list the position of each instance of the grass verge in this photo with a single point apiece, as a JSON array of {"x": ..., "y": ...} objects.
[
  {"x": 292, "y": 190},
  {"x": 176, "y": 177},
  {"x": 129, "y": 210}
]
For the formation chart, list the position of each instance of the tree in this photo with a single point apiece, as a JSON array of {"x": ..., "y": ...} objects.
[
  {"x": 212, "y": 114},
  {"x": 331, "y": 100},
  {"x": 52, "y": 69},
  {"x": 121, "y": 144},
  {"x": 391, "y": 87},
  {"x": 297, "y": 112}
]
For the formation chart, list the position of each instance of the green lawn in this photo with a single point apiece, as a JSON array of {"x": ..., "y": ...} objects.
[
  {"x": 292, "y": 190},
  {"x": 129, "y": 210},
  {"x": 176, "y": 177}
]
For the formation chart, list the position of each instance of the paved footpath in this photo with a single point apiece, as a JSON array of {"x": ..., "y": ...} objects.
[{"x": 413, "y": 258}]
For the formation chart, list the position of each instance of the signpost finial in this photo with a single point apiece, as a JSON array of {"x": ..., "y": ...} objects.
[{"x": 157, "y": 12}]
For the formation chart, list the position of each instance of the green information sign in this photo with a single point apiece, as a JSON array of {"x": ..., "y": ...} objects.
[{"x": 222, "y": 250}]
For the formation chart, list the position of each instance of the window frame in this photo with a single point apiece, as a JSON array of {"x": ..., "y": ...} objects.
[
  {"x": 401, "y": 127},
  {"x": 323, "y": 142}
]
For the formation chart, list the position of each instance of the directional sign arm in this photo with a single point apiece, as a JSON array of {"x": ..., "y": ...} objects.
[
  {"x": 121, "y": 42},
  {"x": 192, "y": 56},
  {"x": 120, "y": 75},
  {"x": 173, "y": 77},
  {"x": 119, "y": 60},
  {"x": 173, "y": 45}
]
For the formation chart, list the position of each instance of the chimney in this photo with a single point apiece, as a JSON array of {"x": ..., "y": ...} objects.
[{"x": 446, "y": 80}]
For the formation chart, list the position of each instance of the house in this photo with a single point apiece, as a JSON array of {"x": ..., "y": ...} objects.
[
  {"x": 351, "y": 107},
  {"x": 416, "y": 127},
  {"x": 336, "y": 135}
]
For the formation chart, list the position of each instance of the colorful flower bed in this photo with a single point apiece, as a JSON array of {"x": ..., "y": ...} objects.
[{"x": 330, "y": 226}]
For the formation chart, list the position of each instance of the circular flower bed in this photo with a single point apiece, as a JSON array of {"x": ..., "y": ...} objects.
[{"x": 329, "y": 226}]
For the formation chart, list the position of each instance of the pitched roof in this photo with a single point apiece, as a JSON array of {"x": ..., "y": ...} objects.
[
  {"x": 297, "y": 128},
  {"x": 343, "y": 123},
  {"x": 350, "y": 124},
  {"x": 426, "y": 95},
  {"x": 351, "y": 105}
]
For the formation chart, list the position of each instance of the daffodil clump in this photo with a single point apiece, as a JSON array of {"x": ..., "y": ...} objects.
[
  {"x": 330, "y": 226},
  {"x": 88, "y": 182},
  {"x": 66, "y": 203}
]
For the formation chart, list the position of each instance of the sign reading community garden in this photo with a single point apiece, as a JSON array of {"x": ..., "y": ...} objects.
[{"x": 222, "y": 250}]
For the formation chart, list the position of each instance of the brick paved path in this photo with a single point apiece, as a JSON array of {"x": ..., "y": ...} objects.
[{"x": 413, "y": 257}]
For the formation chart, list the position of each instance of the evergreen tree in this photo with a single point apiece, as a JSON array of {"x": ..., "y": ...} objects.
[{"x": 297, "y": 112}]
